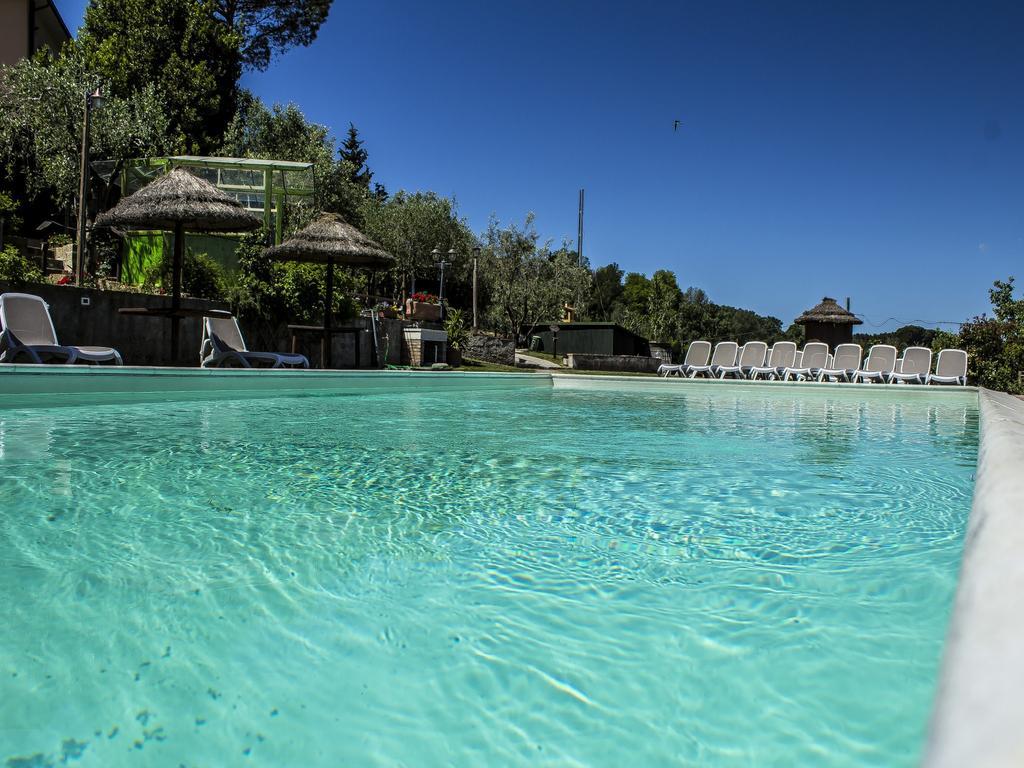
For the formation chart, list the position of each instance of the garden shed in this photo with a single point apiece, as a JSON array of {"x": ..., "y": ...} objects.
[
  {"x": 829, "y": 322},
  {"x": 590, "y": 338}
]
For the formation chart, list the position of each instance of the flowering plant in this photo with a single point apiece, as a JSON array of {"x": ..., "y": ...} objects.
[{"x": 425, "y": 298}]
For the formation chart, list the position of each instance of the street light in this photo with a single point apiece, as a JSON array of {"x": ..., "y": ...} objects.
[
  {"x": 93, "y": 101},
  {"x": 441, "y": 263}
]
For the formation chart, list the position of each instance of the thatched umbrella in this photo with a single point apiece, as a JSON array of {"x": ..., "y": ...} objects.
[
  {"x": 180, "y": 202},
  {"x": 331, "y": 240},
  {"x": 829, "y": 322}
]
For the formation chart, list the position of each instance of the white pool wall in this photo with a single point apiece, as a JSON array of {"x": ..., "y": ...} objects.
[{"x": 978, "y": 719}]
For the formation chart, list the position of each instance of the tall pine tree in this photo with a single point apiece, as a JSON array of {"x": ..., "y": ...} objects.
[{"x": 353, "y": 152}]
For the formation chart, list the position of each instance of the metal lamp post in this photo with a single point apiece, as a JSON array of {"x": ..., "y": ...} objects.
[{"x": 93, "y": 101}]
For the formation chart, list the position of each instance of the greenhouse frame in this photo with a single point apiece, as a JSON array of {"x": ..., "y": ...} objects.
[{"x": 262, "y": 186}]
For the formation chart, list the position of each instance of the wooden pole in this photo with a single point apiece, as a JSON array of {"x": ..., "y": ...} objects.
[
  {"x": 328, "y": 304},
  {"x": 83, "y": 194},
  {"x": 176, "y": 268}
]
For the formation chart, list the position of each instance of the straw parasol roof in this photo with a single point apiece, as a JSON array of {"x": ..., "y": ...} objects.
[
  {"x": 828, "y": 311},
  {"x": 331, "y": 238},
  {"x": 179, "y": 199}
]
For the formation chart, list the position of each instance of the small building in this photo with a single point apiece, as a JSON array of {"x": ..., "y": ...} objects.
[
  {"x": 27, "y": 26},
  {"x": 828, "y": 322},
  {"x": 590, "y": 338}
]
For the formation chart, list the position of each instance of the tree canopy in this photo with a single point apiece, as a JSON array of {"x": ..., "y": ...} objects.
[
  {"x": 266, "y": 27},
  {"x": 191, "y": 61}
]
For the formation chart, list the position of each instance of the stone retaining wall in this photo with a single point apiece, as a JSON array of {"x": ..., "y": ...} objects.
[{"x": 490, "y": 349}]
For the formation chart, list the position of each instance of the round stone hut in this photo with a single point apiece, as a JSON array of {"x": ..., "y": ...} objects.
[{"x": 828, "y": 322}]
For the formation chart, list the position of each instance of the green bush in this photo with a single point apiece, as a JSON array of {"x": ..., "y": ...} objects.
[
  {"x": 287, "y": 292},
  {"x": 995, "y": 345},
  {"x": 16, "y": 270},
  {"x": 201, "y": 276}
]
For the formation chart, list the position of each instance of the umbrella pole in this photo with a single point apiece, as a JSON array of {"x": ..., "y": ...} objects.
[
  {"x": 176, "y": 265},
  {"x": 328, "y": 303}
]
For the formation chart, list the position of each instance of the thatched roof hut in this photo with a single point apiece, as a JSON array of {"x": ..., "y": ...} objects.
[
  {"x": 828, "y": 322},
  {"x": 179, "y": 200},
  {"x": 331, "y": 239},
  {"x": 828, "y": 311}
]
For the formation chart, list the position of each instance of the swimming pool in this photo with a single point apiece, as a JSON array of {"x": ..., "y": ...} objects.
[{"x": 530, "y": 576}]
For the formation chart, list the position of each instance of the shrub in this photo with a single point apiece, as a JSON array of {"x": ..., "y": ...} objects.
[
  {"x": 995, "y": 345},
  {"x": 455, "y": 327},
  {"x": 16, "y": 270},
  {"x": 201, "y": 276}
]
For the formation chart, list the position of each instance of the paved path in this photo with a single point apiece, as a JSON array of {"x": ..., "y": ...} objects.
[{"x": 540, "y": 362}]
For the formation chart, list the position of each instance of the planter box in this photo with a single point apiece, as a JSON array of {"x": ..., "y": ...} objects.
[{"x": 417, "y": 310}]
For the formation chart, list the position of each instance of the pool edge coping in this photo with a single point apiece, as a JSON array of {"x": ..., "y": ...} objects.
[{"x": 979, "y": 703}]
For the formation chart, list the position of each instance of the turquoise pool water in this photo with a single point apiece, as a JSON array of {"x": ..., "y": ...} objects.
[{"x": 726, "y": 577}]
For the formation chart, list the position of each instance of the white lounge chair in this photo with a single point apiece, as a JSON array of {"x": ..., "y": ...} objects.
[
  {"x": 751, "y": 356},
  {"x": 913, "y": 367},
  {"x": 697, "y": 353},
  {"x": 844, "y": 365},
  {"x": 724, "y": 354},
  {"x": 223, "y": 346},
  {"x": 951, "y": 368},
  {"x": 880, "y": 363},
  {"x": 813, "y": 358},
  {"x": 28, "y": 333},
  {"x": 782, "y": 356}
]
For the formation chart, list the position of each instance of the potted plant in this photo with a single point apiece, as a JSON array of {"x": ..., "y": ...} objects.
[
  {"x": 423, "y": 306},
  {"x": 458, "y": 336},
  {"x": 387, "y": 310}
]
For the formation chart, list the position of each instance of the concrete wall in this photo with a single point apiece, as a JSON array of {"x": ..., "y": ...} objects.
[
  {"x": 140, "y": 340},
  {"x": 13, "y": 31},
  {"x": 625, "y": 363},
  {"x": 979, "y": 707},
  {"x": 146, "y": 341}
]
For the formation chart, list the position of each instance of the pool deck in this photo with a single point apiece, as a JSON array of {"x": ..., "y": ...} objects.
[{"x": 979, "y": 707}]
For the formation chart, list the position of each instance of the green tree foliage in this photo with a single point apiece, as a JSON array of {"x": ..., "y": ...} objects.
[
  {"x": 16, "y": 270},
  {"x": 651, "y": 307},
  {"x": 607, "y": 288},
  {"x": 995, "y": 345},
  {"x": 266, "y": 27},
  {"x": 528, "y": 283},
  {"x": 41, "y": 113},
  {"x": 901, "y": 338},
  {"x": 284, "y": 133},
  {"x": 10, "y": 221},
  {"x": 354, "y": 153},
  {"x": 276, "y": 293},
  {"x": 191, "y": 60},
  {"x": 410, "y": 226}
]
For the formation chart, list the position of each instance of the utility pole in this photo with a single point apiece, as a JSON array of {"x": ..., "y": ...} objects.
[{"x": 579, "y": 235}]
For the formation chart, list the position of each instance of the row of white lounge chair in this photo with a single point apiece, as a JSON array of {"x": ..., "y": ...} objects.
[{"x": 754, "y": 360}]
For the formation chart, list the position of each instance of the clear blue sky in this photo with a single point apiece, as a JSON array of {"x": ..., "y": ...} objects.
[{"x": 872, "y": 150}]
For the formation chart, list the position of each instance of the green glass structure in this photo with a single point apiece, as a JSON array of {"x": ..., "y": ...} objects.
[{"x": 263, "y": 186}]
